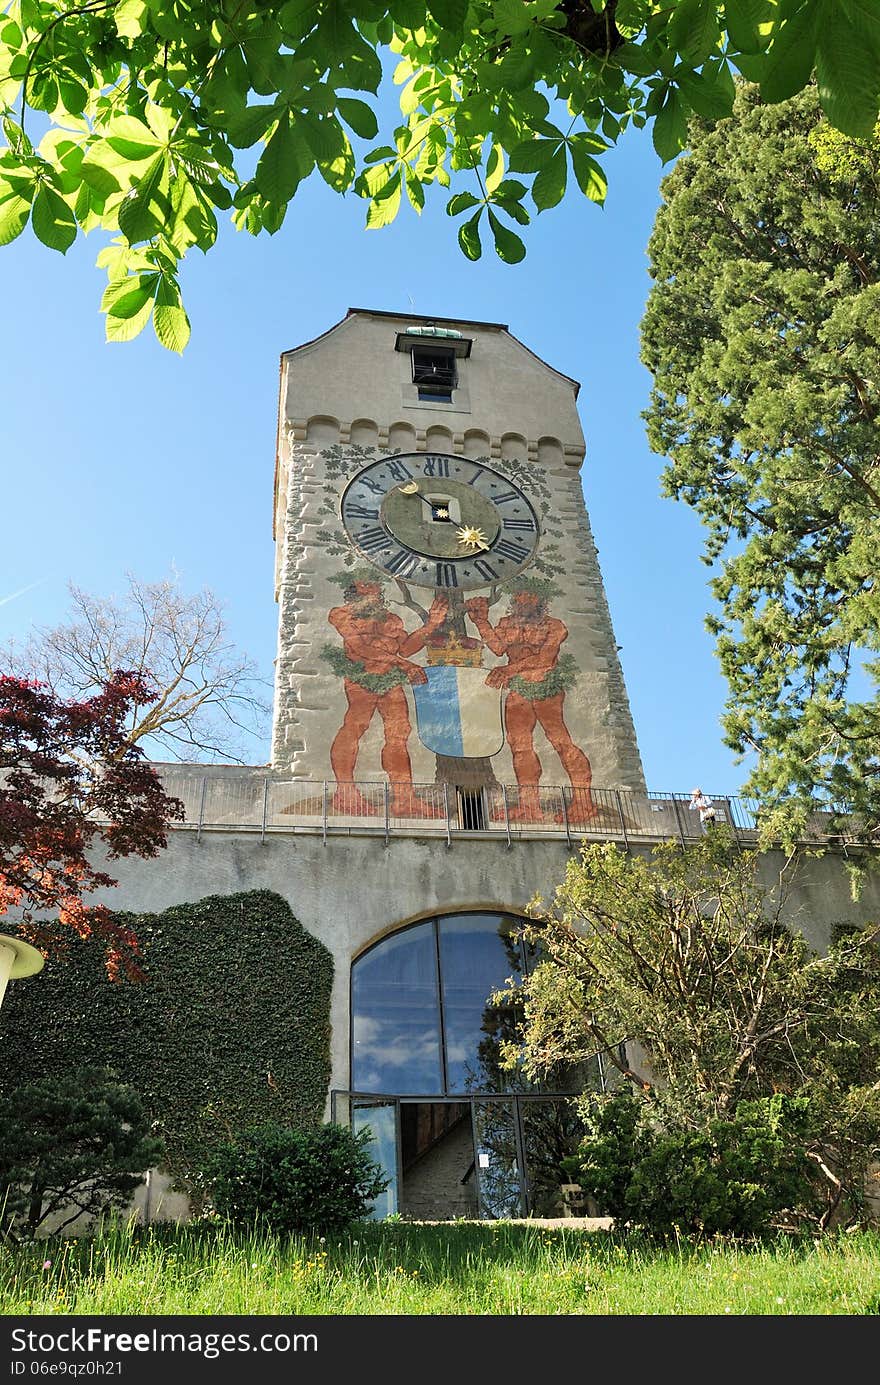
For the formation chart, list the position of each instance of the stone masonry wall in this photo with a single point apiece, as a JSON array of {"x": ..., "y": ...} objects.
[{"x": 309, "y": 699}]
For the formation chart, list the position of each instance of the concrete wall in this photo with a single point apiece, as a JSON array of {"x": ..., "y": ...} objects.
[
  {"x": 353, "y": 377},
  {"x": 347, "y": 893},
  {"x": 355, "y": 889}
]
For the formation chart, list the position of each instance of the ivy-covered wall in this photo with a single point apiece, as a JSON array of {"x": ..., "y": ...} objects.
[{"x": 232, "y": 1026}]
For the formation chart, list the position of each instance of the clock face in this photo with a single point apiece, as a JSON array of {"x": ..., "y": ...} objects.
[{"x": 440, "y": 521}]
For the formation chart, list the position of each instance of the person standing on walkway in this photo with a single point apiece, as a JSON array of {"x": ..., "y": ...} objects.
[{"x": 704, "y": 806}]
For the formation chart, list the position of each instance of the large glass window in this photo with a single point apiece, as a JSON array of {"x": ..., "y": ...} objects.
[
  {"x": 423, "y": 1020},
  {"x": 498, "y": 1161},
  {"x": 380, "y": 1118},
  {"x": 462, "y": 1136},
  {"x": 551, "y": 1130},
  {"x": 395, "y": 1008},
  {"x": 478, "y": 952}
]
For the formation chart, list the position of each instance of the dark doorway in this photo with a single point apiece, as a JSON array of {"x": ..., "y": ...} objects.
[
  {"x": 471, "y": 810},
  {"x": 437, "y": 1161}
]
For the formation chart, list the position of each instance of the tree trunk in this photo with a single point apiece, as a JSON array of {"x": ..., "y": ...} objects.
[{"x": 35, "y": 1207}]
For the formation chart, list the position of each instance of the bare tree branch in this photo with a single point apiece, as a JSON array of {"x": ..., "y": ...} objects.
[{"x": 212, "y": 703}]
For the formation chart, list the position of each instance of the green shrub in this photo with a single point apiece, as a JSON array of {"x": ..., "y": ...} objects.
[
  {"x": 612, "y": 1148},
  {"x": 736, "y": 1176},
  {"x": 230, "y": 1028},
  {"x": 317, "y": 1180},
  {"x": 71, "y": 1146}
]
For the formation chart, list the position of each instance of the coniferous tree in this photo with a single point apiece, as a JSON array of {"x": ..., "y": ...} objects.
[{"x": 762, "y": 333}]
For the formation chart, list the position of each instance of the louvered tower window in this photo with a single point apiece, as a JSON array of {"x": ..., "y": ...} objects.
[{"x": 433, "y": 371}]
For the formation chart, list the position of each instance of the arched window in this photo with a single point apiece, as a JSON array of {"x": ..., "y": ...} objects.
[{"x": 423, "y": 1021}]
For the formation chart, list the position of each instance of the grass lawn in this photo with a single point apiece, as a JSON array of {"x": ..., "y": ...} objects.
[{"x": 455, "y": 1268}]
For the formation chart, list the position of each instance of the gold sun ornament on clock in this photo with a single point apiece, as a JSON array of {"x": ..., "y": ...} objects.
[{"x": 471, "y": 538}]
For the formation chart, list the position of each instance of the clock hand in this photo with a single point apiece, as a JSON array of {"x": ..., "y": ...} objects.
[
  {"x": 411, "y": 488},
  {"x": 470, "y": 537}
]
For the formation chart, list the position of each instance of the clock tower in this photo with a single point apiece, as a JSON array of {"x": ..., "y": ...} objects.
[{"x": 443, "y": 625}]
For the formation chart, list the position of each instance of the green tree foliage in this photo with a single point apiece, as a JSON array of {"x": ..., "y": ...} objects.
[
  {"x": 164, "y": 112},
  {"x": 71, "y": 1146},
  {"x": 684, "y": 957},
  {"x": 762, "y": 333},
  {"x": 295, "y": 1181},
  {"x": 616, "y": 1140},
  {"x": 743, "y": 1176}
]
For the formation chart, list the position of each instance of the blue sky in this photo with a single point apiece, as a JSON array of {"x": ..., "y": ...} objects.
[{"x": 125, "y": 457}]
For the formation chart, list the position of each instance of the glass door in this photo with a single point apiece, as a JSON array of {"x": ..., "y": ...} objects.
[
  {"x": 498, "y": 1160},
  {"x": 551, "y": 1131},
  {"x": 382, "y": 1118}
]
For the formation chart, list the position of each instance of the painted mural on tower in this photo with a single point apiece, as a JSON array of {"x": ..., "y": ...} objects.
[{"x": 445, "y": 639}]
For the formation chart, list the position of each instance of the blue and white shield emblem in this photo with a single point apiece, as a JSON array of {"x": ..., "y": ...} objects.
[{"x": 456, "y": 714}]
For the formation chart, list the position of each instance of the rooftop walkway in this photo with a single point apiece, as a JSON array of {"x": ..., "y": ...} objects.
[{"x": 224, "y": 798}]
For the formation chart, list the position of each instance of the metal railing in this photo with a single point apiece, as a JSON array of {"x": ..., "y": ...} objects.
[{"x": 266, "y": 804}]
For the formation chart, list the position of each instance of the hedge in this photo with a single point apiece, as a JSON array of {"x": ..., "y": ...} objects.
[{"x": 231, "y": 1028}]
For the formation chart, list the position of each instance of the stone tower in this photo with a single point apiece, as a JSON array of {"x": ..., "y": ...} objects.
[{"x": 443, "y": 622}]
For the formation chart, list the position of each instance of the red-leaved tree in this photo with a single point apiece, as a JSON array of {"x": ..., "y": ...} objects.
[{"x": 72, "y": 789}]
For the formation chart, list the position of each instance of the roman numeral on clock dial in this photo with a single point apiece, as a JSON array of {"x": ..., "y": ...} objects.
[
  {"x": 401, "y": 563},
  {"x": 486, "y": 570},
  {"x": 373, "y": 540},
  {"x": 373, "y": 486},
  {"x": 505, "y": 548},
  {"x": 399, "y": 471}
]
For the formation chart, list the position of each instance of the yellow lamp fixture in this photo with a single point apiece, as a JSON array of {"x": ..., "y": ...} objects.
[{"x": 17, "y": 959}]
